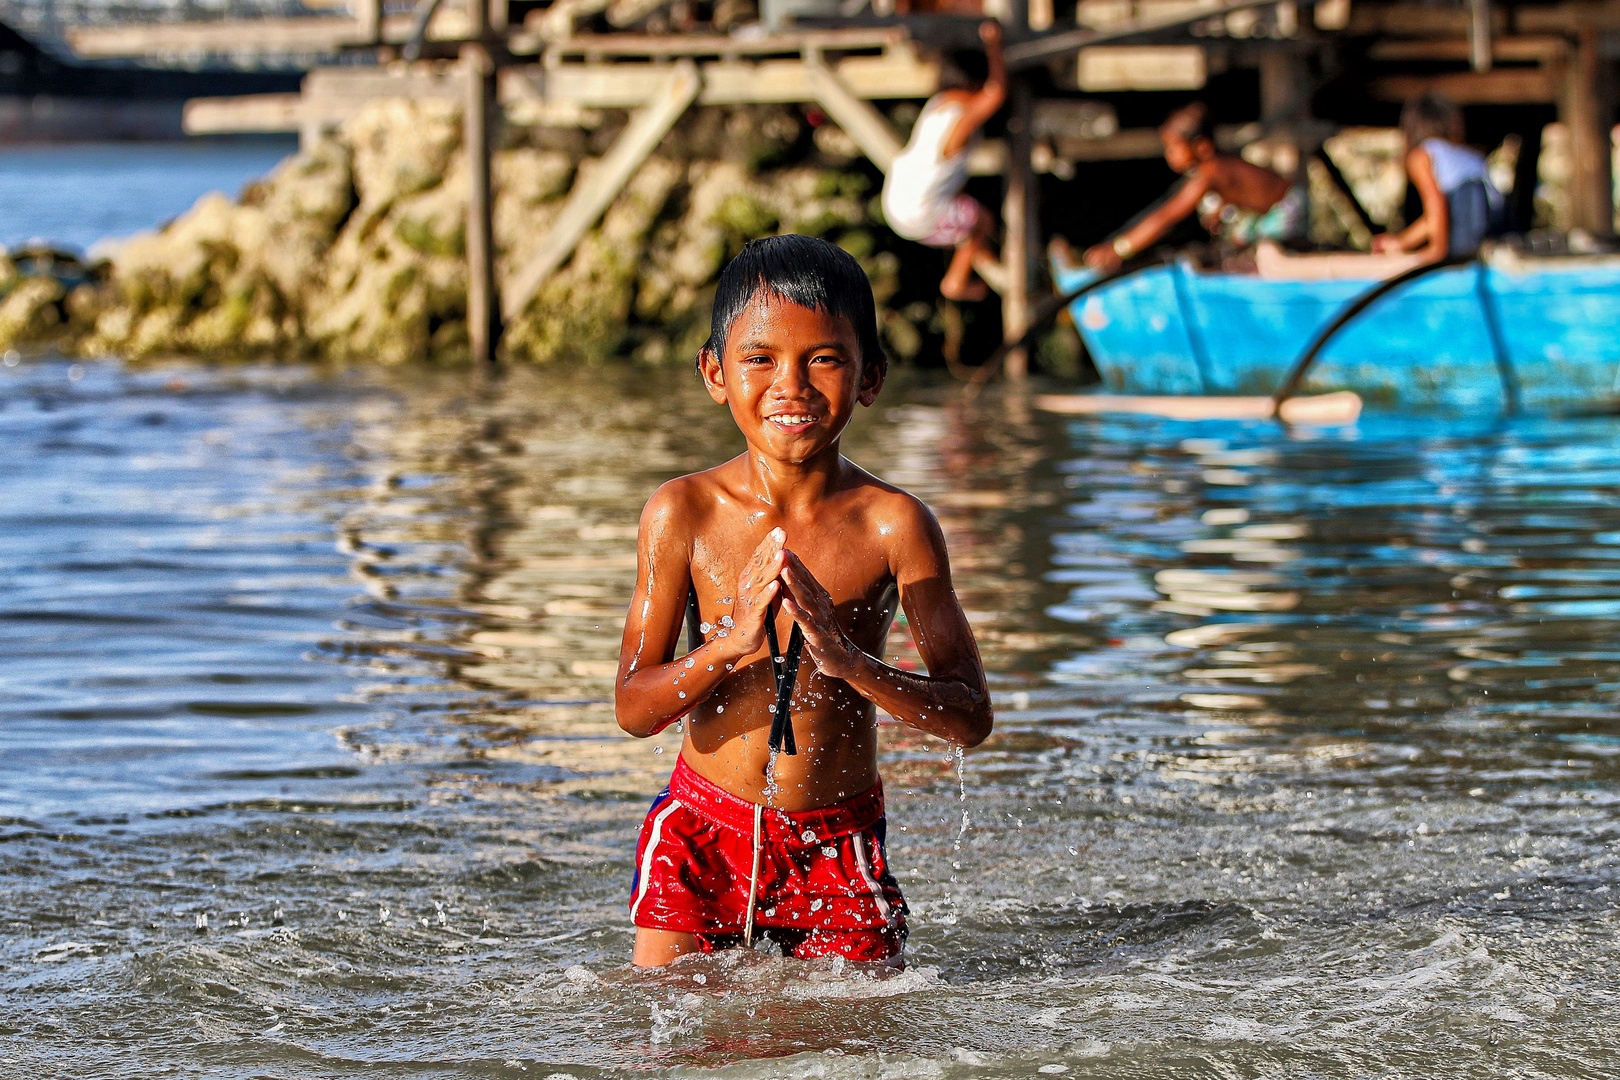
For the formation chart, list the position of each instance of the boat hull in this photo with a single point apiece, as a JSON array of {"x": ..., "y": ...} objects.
[{"x": 1175, "y": 330}]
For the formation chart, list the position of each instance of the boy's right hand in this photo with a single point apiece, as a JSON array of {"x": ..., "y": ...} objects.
[
  {"x": 990, "y": 32},
  {"x": 757, "y": 587}
]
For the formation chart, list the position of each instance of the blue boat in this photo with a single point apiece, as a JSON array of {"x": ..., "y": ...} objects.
[{"x": 1462, "y": 337}]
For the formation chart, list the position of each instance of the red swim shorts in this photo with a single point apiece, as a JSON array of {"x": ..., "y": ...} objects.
[{"x": 823, "y": 885}]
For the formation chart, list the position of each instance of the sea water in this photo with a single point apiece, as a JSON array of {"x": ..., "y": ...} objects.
[
  {"x": 1305, "y": 763},
  {"x": 76, "y": 194}
]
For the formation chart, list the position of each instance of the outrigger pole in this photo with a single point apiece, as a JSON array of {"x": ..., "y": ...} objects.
[{"x": 1296, "y": 374}]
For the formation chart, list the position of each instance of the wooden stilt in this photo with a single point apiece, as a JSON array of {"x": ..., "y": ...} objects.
[
  {"x": 1479, "y": 35},
  {"x": 369, "y": 14},
  {"x": 483, "y": 326},
  {"x": 1020, "y": 224},
  {"x": 1584, "y": 110},
  {"x": 590, "y": 199}
]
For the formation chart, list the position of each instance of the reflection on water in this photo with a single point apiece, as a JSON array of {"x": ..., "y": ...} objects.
[{"x": 1306, "y": 758}]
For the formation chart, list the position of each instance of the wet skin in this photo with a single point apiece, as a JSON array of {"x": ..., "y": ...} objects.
[{"x": 791, "y": 530}]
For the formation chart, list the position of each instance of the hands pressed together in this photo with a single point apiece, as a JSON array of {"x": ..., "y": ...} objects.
[{"x": 773, "y": 571}]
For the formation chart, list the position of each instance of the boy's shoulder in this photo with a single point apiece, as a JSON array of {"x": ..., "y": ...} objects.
[
  {"x": 684, "y": 494},
  {"x": 887, "y": 503}
]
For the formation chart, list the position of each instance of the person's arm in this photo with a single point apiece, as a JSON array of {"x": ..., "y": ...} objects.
[
  {"x": 1109, "y": 255},
  {"x": 654, "y": 689},
  {"x": 989, "y": 98},
  {"x": 952, "y": 700},
  {"x": 1430, "y": 234}
]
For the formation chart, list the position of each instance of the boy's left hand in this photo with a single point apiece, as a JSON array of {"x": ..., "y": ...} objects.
[{"x": 809, "y": 605}]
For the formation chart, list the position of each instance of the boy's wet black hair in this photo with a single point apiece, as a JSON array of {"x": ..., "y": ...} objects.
[{"x": 802, "y": 270}]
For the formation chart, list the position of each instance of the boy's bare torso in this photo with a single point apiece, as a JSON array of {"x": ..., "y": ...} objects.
[
  {"x": 1243, "y": 184},
  {"x": 846, "y": 539}
]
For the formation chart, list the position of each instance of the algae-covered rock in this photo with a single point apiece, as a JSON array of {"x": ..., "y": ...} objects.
[
  {"x": 30, "y": 311},
  {"x": 355, "y": 248},
  {"x": 584, "y": 308}
]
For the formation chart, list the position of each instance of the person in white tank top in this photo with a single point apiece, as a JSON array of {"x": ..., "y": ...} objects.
[
  {"x": 922, "y": 193},
  {"x": 1460, "y": 204}
]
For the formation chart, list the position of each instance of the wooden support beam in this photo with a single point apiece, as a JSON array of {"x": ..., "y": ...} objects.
[
  {"x": 595, "y": 193},
  {"x": 1416, "y": 20},
  {"x": 1584, "y": 107},
  {"x": 1020, "y": 219},
  {"x": 317, "y": 35},
  {"x": 1537, "y": 47},
  {"x": 697, "y": 46},
  {"x": 256, "y": 113},
  {"x": 483, "y": 316},
  {"x": 1037, "y": 50},
  {"x": 1503, "y": 86},
  {"x": 896, "y": 74},
  {"x": 1480, "y": 56},
  {"x": 859, "y": 120},
  {"x": 369, "y": 15}
]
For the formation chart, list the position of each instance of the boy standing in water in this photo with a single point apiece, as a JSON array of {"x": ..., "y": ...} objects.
[{"x": 746, "y": 842}]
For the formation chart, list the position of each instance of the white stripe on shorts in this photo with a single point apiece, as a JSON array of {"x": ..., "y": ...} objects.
[
  {"x": 866, "y": 873},
  {"x": 647, "y": 856}
]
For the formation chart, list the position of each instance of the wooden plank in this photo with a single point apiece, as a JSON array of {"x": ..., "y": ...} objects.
[
  {"x": 250, "y": 113},
  {"x": 1043, "y": 47},
  {"x": 1131, "y": 144},
  {"x": 254, "y": 37},
  {"x": 1436, "y": 20},
  {"x": 336, "y": 86},
  {"x": 334, "y": 94},
  {"x": 592, "y": 196},
  {"x": 1338, "y": 408},
  {"x": 1542, "y": 47},
  {"x": 705, "y": 45},
  {"x": 1106, "y": 68},
  {"x": 1503, "y": 86},
  {"x": 858, "y": 119},
  {"x": 784, "y": 82}
]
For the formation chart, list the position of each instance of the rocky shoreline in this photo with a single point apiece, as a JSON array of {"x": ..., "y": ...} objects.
[{"x": 353, "y": 249}]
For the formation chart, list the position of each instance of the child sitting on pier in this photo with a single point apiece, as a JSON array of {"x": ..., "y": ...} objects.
[
  {"x": 787, "y": 537},
  {"x": 922, "y": 193},
  {"x": 1460, "y": 205},
  {"x": 1237, "y": 201}
]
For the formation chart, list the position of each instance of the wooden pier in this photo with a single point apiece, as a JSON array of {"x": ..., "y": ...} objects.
[{"x": 1557, "y": 55}]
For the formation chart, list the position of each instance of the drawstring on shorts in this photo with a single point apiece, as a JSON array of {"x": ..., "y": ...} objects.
[{"x": 753, "y": 875}]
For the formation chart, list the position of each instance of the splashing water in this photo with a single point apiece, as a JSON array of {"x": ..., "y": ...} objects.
[{"x": 772, "y": 788}]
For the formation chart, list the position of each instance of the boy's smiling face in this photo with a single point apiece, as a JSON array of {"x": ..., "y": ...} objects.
[{"x": 791, "y": 375}]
